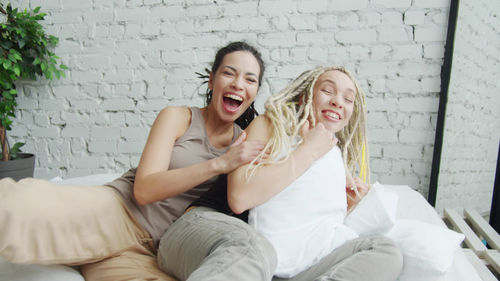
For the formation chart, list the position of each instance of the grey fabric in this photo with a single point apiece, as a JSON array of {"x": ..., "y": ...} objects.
[
  {"x": 361, "y": 259},
  {"x": 207, "y": 245}
]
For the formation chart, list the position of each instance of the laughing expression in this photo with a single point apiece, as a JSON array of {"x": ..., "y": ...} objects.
[
  {"x": 234, "y": 84},
  {"x": 333, "y": 100}
]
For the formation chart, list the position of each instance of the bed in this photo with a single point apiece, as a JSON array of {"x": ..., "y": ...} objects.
[{"x": 411, "y": 210}]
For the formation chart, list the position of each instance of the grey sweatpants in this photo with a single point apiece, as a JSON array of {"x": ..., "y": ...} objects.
[{"x": 207, "y": 245}]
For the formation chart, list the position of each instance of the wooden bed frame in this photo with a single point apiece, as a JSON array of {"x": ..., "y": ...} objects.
[{"x": 481, "y": 244}]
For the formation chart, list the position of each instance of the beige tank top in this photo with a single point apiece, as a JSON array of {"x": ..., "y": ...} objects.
[{"x": 191, "y": 148}]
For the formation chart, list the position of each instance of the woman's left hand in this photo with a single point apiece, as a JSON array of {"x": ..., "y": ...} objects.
[{"x": 352, "y": 198}]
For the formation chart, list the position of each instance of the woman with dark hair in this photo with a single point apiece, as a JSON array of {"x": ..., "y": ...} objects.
[{"x": 112, "y": 231}]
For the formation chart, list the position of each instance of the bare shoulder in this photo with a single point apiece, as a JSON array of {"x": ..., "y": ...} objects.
[
  {"x": 260, "y": 128},
  {"x": 175, "y": 117}
]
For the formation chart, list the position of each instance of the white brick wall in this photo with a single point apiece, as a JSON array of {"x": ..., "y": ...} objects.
[
  {"x": 128, "y": 59},
  {"x": 472, "y": 127}
]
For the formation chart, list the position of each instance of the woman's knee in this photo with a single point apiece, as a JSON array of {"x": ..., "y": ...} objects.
[{"x": 392, "y": 253}]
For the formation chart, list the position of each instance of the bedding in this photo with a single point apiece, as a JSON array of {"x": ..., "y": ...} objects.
[{"x": 410, "y": 206}]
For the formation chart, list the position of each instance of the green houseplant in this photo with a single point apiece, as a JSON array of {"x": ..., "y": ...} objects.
[{"x": 25, "y": 54}]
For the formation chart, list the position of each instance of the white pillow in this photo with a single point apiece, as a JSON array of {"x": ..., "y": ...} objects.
[
  {"x": 428, "y": 250},
  {"x": 375, "y": 214}
]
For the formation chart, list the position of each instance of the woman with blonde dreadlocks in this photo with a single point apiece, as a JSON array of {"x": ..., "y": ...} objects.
[
  {"x": 298, "y": 195},
  {"x": 315, "y": 131}
]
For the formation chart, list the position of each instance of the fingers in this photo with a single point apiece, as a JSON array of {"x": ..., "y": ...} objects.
[
  {"x": 241, "y": 138},
  {"x": 305, "y": 128}
]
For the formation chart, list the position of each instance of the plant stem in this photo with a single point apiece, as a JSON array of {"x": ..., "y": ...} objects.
[{"x": 5, "y": 145}]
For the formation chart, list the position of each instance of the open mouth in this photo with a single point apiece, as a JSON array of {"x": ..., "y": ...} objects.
[
  {"x": 332, "y": 115},
  {"x": 232, "y": 102}
]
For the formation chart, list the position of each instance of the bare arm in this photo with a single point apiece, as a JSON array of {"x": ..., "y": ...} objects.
[
  {"x": 269, "y": 180},
  {"x": 154, "y": 181}
]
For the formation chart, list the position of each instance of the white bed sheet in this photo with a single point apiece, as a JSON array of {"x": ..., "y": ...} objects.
[{"x": 412, "y": 205}]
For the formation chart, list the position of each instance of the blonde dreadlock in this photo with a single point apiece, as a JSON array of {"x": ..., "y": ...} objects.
[{"x": 287, "y": 116}]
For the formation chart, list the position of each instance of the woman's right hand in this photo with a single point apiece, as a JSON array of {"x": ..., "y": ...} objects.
[
  {"x": 241, "y": 152},
  {"x": 318, "y": 140}
]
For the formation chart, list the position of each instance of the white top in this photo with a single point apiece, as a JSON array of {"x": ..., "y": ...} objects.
[{"x": 304, "y": 222}]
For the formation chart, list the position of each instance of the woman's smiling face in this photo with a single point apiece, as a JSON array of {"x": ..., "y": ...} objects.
[
  {"x": 333, "y": 100},
  {"x": 234, "y": 84}
]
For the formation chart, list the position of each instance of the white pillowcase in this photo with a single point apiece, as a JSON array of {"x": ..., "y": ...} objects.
[
  {"x": 375, "y": 214},
  {"x": 428, "y": 250}
]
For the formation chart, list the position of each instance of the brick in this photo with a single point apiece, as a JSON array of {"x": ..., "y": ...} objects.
[
  {"x": 392, "y": 18},
  {"x": 403, "y": 151},
  {"x": 98, "y": 16},
  {"x": 427, "y": 34},
  {"x": 409, "y": 51},
  {"x": 119, "y": 76},
  {"x": 356, "y": 36},
  {"x": 93, "y": 61},
  {"x": 307, "y": 7},
  {"x": 306, "y": 38},
  {"x": 171, "y": 57},
  {"x": 378, "y": 86},
  {"x": 339, "y": 5},
  {"x": 75, "y": 132},
  {"x": 380, "y": 166},
  {"x": 404, "y": 86},
  {"x": 66, "y": 17},
  {"x": 277, "y": 39},
  {"x": 27, "y": 104},
  {"x": 276, "y": 8},
  {"x": 204, "y": 11},
  {"x": 77, "y": 5},
  {"x": 414, "y": 17},
  {"x": 370, "y": 18},
  {"x": 420, "y": 121},
  {"x": 327, "y": 22},
  {"x": 383, "y": 135},
  {"x": 85, "y": 162},
  {"x": 434, "y": 51},
  {"x": 416, "y": 136},
  {"x": 156, "y": 104},
  {"x": 99, "y": 146},
  {"x": 74, "y": 118},
  {"x": 258, "y": 24},
  {"x": 49, "y": 132},
  {"x": 41, "y": 120},
  {"x": 391, "y": 3},
  {"x": 86, "y": 76},
  {"x": 104, "y": 132},
  {"x": 420, "y": 104},
  {"x": 394, "y": 34},
  {"x": 117, "y": 104},
  {"x": 46, "y": 4},
  {"x": 348, "y": 19},
  {"x": 247, "y": 9},
  {"x": 131, "y": 15},
  {"x": 359, "y": 53},
  {"x": 303, "y": 22},
  {"x": 131, "y": 147},
  {"x": 431, "y": 3},
  {"x": 132, "y": 119},
  {"x": 135, "y": 133},
  {"x": 318, "y": 54},
  {"x": 431, "y": 84},
  {"x": 378, "y": 120}
]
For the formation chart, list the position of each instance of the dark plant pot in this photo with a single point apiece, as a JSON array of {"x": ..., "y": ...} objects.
[{"x": 19, "y": 168}]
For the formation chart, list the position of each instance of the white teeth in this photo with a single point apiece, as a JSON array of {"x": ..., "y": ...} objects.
[
  {"x": 332, "y": 115},
  {"x": 234, "y": 97}
]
